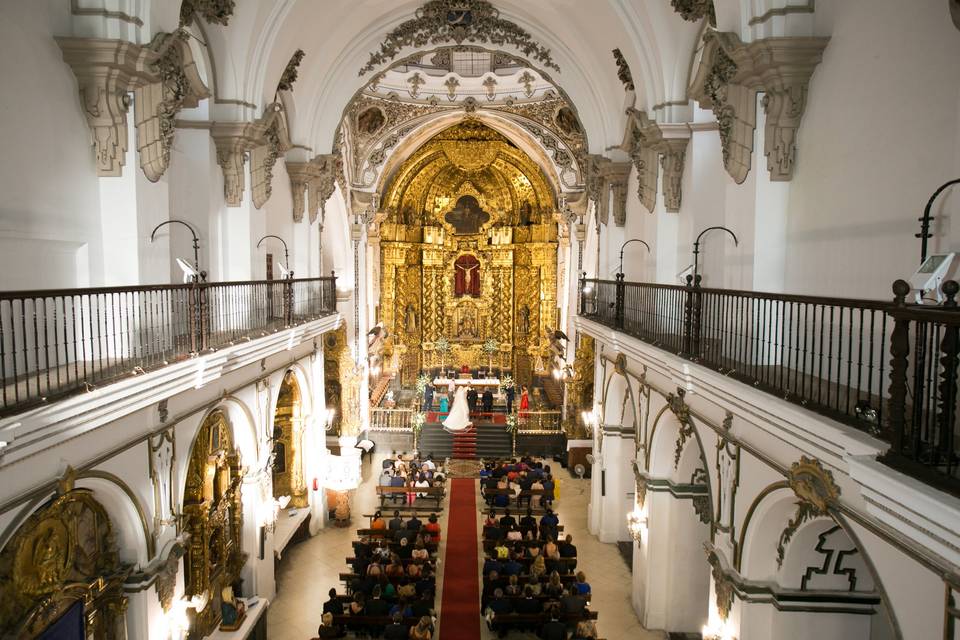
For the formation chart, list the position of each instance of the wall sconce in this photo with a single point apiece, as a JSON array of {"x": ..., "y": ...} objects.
[
  {"x": 718, "y": 630},
  {"x": 590, "y": 420},
  {"x": 636, "y": 525},
  {"x": 177, "y": 620}
]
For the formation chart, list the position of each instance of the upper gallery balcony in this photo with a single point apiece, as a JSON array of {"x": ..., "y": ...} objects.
[
  {"x": 55, "y": 343},
  {"x": 887, "y": 368}
]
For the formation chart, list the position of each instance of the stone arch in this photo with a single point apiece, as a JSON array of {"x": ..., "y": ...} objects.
[
  {"x": 618, "y": 403},
  {"x": 823, "y": 554},
  {"x": 243, "y": 426},
  {"x": 129, "y": 520}
]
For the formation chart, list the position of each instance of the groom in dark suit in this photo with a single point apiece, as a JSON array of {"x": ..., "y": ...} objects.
[
  {"x": 511, "y": 392},
  {"x": 428, "y": 398},
  {"x": 487, "y": 401},
  {"x": 472, "y": 397}
]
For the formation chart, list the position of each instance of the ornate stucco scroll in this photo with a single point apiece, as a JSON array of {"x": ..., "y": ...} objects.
[{"x": 653, "y": 146}]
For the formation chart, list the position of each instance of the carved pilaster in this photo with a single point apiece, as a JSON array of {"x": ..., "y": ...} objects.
[
  {"x": 727, "y": 80},
  {"x": 230, "y": 156},
  {"x": 106, "y": 71},
  {"x": 177, "y": 84}
]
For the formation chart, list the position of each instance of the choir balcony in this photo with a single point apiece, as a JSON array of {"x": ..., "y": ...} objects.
[
  {"x": 887, "y": 368},
  {"x": 71, "y": 344}
]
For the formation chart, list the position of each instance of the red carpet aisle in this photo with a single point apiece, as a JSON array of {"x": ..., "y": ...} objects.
[{"x": 460, "y": 603}]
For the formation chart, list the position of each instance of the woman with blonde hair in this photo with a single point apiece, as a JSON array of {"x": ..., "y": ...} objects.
[
  {"x": 586, "y": 630},
  {"x": 423, "y": 630},
  {"x": 538, "y": 567}
]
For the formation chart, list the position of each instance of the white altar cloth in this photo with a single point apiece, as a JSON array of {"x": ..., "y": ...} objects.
[{"x": 473, "y": 382}]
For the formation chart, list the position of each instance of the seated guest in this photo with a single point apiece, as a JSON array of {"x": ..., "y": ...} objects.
[
  {"x": 405, "y": 551},
  {"x": 513, "y": 587},
  {"x": 528, "y": 523},
  {"x": 550, "y": 550},
  {"x": 490, "y": 584},
  {"x": 433, "y": 528},
  {"x": 548, "y": 488},
  {"x": 491, "y": 564},
  {"x": 396, "y": 630},
  {"x": 385, "y": 478},
  {"x": 583, "y": 587},
  {"x": 396, "y": 523},
  {"x": 511, "y": 567},
  {"x": 356, "y": 609},
  {"x": 573, "y": 602},
  {"x": 374, "y": 570},
  {"x": 554, "y": 587},
  {"x": 376, "y": 606},
  {"x": 491, "y": 519},
  {"x": 501, "y": 500},
  {"x": 422, "y": 482},
  {"x": 414, "y": 570},
  {"x": 569, "y": 553},
  {"x": 333, "y": 605},
  {"x": 536, "y": 500},
  {"x": 498, "y": 605},
  {"x": 514, "y": 535},
  {"x": 398, "y": 481},
  {"x": 329, "y": 630},
  {"x": 420, "y": 553},
  {"x": 395, "y": 568},
  {"x": 586, "y": 630},
  {"x": 423, "y": 605},
  {"x": 528, "y": 604},
  {"x": 507, "y": 520},
  {"x": 423, "y": 630},
  {"x": 554, "y": 629},
  {"x": 378, "y": 524},
  {"x": 414, "y": 524},
  {"x": 501, "y": 551},
  {"x": 538, "y": 567}
]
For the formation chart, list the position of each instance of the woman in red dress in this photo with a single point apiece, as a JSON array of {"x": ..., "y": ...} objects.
[{"x": 524, "y": 402}]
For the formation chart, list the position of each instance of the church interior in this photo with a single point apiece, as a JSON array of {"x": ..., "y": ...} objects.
[{"x": 475, "y": 319}]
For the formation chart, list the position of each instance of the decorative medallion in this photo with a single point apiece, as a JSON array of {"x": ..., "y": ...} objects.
[
  {"x": 817, "y": 491},
  {"x": 459, "y": 21},
  {"x": 695, "y": 10}
]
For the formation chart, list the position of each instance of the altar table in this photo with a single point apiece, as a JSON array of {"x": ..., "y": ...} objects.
[{"x": 472, "y": 382}]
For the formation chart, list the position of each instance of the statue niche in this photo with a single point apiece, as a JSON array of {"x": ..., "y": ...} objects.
[
  {"x": 467, "y": 322},
  {"x": 467, "y": 217},
  {"x": 466, "y": 276},
  {"x": 288, "y": 477}
]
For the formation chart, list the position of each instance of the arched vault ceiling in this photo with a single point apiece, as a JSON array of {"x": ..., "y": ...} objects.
[
  {"x": 466, "y": 158},
  {"x": 338, "y": 36}
]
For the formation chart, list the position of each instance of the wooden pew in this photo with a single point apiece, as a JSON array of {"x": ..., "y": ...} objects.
[{"x": 432, "y": 493}]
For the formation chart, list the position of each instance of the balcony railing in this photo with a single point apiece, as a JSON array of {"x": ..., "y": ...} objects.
[
  {"x": 833, "y": 356},
  {"x": 57, "y": 342},
  {"x": 386, "y": 419}
]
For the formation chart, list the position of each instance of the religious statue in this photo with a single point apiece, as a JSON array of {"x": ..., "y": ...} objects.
[
  {"x": 350, "y": 387},
  {"x": 410, "y": 319},
  {"x": 232, "y": 610},
  {"x": 467, "y": 217},
  {"x": 523, "y": 320},
  {"x": 370, "y": 121},
  {"x": 466, "y": 276},
  {"x": 467, "y": 326}
]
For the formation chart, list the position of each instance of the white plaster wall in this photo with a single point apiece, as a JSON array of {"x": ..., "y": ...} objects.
[
  {"x": 50, "y": 203},
  {"x": 879, "y": 135}
]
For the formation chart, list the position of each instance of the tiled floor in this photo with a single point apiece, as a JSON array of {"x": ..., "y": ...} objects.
[{"x": 311, "y": 568}]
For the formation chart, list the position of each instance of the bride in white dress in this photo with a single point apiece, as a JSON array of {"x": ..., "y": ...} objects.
[{"x": 459, "y": 417}]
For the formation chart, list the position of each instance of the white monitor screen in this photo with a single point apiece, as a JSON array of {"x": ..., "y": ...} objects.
[{"x": 932, "y": 263}]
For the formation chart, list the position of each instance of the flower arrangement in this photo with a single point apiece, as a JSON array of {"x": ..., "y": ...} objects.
[
  {"x": 422, "y": 383},
  {"x": 442, "y": 345},
  {"x": 511, "y": 423},
  {"x": 505, "y": 383},
  {"x": 490, "y": 347},
  {"x": 417, "y": 421}
]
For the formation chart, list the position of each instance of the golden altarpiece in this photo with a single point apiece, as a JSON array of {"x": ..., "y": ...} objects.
[
  {"x": 288, "y": 428},
  {"x": 60, "y": 572},
  {"x": 213, "y": 516},
  {"x": 469, "y": 255}
]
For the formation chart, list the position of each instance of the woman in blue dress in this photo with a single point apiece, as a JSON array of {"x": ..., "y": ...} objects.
[{"x": 444, "y": 403}]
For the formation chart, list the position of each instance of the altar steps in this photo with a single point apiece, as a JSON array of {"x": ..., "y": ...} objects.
[{"x": 483, "y": 441}]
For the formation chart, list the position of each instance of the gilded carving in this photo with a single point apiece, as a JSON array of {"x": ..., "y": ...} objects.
[
  {"x": 62, "y": 554},
  {"x": 288, "y": 427},
  {"x": 817, "y": 493},
  {"x": 213, "y": 518},
  {"x": 723, "y": 585},
  {"x": 439, "y": 21},
  {"x": 729, "y": 76}
]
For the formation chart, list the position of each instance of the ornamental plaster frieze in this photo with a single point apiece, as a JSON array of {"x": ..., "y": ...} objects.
[
  {"x": 727, "y": 80},
  {"x": 164, "y": 79}
]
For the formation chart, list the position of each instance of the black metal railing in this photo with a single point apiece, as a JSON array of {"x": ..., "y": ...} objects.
[
  {"x": 57, "y": 342},
  {"x": 828, "y": 354}
]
